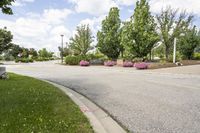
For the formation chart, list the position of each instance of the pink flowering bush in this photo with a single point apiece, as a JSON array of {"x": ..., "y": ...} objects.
[
  {"x": 141, "y": 65},
  {"x": 109, "y": 63},
  {"x": 128, "y": 64},
  {"x": 84, "y": 63}
]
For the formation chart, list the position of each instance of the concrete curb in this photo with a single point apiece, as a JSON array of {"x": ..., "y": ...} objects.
[{"x": 100, "y": 121}]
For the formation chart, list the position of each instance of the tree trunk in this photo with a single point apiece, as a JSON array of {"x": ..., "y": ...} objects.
[
  {"x": 150, "y": 54},
  {"x": 167, "y": 53}
]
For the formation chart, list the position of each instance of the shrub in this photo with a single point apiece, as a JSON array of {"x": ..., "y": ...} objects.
[
  {"x": 1, "y": 58},
  {"x": 43, "y": 59},
  {"x": 31, "y": 60},
  {"x": 51, "y": 58},
  {"x": 128, "y": 64},
  {"x": 39, "y": 59},
  {"x": 84, "y": 63},
  {"x": 197, "y": 56},
  {"x": 109, "y": 63},
  {"x": 178, "y": 57},
  {"x": 23, "y": 60},
  {"x": 95, "y": 56},
  {"x": 141, "y": 65},
  {"x": 137, "y": 59},
  {"x": 73, "y": 60},
  {"x": 8, "y": 57},
  {"x": 97, "y": 62}
]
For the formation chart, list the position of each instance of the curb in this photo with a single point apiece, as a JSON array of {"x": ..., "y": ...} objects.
[{"x": 100, "y": 121}]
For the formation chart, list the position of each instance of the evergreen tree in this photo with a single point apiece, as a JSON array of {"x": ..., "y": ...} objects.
[{"x": 109, "y": 36}]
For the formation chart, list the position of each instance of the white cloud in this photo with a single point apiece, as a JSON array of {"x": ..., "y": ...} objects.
[
  {"x": 93, "y": 7},
  {"x": 55, "y": 16},
  {"x": 191, "y": 6},
  {"x": 126, "y": 2},
  {"x": 95, "y": 25},
  {"x": 39, "y": 31},
  {"x": 22, "y": 2}
]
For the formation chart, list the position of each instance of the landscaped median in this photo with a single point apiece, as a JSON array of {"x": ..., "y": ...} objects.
[{"x": 31, "y": 105}]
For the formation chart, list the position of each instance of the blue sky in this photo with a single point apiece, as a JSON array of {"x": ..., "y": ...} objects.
[{"x": 39, "y": 23}]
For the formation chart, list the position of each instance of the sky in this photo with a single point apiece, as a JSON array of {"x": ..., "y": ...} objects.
[{"x": 39, "y": 23}]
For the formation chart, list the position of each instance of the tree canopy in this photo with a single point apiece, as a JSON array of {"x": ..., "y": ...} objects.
[
  {"x": 171, "y": 27},
  {"x": 80, "y": 44},
  {"x": 5, "y": 6},
  {"x": 189, "y": 42},
  {"x": 109, "y": 36},
  {"x": 5, "y": 39},
  {"x": 139, "y": 34}
]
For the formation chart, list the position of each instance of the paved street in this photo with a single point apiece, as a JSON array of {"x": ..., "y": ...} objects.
[{"x": 150, "y": 101}]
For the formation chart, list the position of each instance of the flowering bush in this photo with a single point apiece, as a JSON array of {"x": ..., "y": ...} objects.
[
  {"x": 109, "y": 63},
  {"x": 141, "y": 65},
  {"x": 84, "y": 63},
  {"x": 128, "y": 64}
]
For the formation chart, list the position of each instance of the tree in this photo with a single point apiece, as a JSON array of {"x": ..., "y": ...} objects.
[
  {"x": 25, "y": 52},
  {"x": 109, "y": 36},
  {"x": 81, "y": 43},
  {"x": 33, "y": 52},
  {"x": 66, "y": 51},
  {"x": 5, "y": 39},
  {"x": 4, "y": 5},
  {"x": 43, "y": 53},
  {"x": 139, "y": 34},
  {"x": 189, "y": 42},
  {"x": 15, "y": 50},
  {"x": 170, "y": 27}
]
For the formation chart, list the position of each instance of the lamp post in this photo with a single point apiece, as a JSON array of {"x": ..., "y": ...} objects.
[{"x": 62, "y": 48}]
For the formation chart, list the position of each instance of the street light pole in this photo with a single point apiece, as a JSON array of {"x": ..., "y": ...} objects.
[
  {"x": 62, "y": 48},
  {"x": 174, "y": 55}
]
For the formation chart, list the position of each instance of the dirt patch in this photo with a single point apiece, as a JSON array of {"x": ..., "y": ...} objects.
[{"x": 156, "y": 65}]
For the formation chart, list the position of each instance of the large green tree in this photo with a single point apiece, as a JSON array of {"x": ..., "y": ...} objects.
[
  {"x": 15, "y": 50},
  {"x": 171, "y": 26},
  {"x": 189, "y": 42},
  {"x": 66, "y": 51},
  {"x": 139, "y": 34},
  {"x": 43, "y": 53},
  {"x": 33, "y": 52},
  {"x": 5, "y": 39},
  {"x": 109, "y": 36},
  {"x": 80, "y": 44},
  {"x": 5, "y": 6}
]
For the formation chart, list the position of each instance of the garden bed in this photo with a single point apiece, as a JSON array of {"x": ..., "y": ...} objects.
[{"x": 167, "y": 65}]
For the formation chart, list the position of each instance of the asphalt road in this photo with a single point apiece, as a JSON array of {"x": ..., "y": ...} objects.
[{"x": 158, "y": 101}]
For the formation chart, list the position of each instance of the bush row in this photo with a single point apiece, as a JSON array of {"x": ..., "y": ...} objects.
[
  {"x": 28, "y": 60},
  {"x": 43, "y": 59},
  {"x": 24, "y": 60},
  {"x": 92, "y": 59},
  {"x": 197, "y": 56},
  {"x": 84, "y": 61}
]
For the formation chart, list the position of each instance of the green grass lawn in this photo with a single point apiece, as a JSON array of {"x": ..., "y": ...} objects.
[{"x": 28, "y": 105}]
